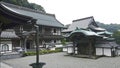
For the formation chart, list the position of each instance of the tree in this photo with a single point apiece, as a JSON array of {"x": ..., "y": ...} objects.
[
  {"x": 116, "y": 35},
  {"x": 109, "y": 27},
  {"x": 63, "y": 41},
  {"x": 25, "y": 3}
]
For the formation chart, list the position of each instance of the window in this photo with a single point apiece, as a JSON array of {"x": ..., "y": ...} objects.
[
  {"x": 54, "y": 30},
  {"x": 54, "y": 41}
]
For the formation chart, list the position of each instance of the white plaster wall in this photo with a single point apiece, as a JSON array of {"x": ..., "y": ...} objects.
[
  {"x": 107, "y": 52},
  {"x": 52, "y": 48},
  {"x": 10, "y": 47},
  {"x": 70, "y": 50},
  {"x": 76, "y": 52},
  {"x": 0, "y": 47},
  {"x": 65, "y": 49},
  {"x": 9, "y": 43},
  {"x": 58, "y": 31},
  {"x": 58, "y": 41},
  {"x": 98, "y": 51},
  {"x": 52, "y": 41},
  {"x": 59, "y": 45},
  {"x": 118, "y": 51}
]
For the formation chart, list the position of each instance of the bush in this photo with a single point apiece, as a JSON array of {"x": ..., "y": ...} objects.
[
  {"x": 42, "y": 52},
  {"x": 63, "y": 41},
  {"x": 29, "y": 53}
]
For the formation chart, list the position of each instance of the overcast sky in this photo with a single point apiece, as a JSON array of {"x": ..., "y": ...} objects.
[{"x": 105, "y": 11}]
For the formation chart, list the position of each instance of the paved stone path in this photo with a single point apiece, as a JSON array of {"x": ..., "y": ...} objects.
[
  {"x": 3, "y": 65},
  {"x": 59, "y": 60}
]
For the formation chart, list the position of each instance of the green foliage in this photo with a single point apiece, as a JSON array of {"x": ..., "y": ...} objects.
[
  {"x": 42, "y": 52},
  {"x": 63, "y": 41},
  {"x": 37, "y": 7},
  {"x": 25, "y": 3},
  {"x": 30, "y": 53},
  {"x": 109, "y": 27},
  {"x": 116, "y": 35}
]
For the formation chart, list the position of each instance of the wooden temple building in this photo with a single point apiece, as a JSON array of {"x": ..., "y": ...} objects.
[
  {"x": 24, "y": 21},
  {"x": 89, "y": 40},
  {"x": 8, "y": 40},
  {"x": 8, "y": 20}
]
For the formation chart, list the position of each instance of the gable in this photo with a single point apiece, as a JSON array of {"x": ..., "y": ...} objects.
[{"x": 82, "y": 23}]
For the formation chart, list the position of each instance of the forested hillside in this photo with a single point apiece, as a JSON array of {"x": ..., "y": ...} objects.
[
  {"x": 110, "y": 27},
  {"x": 25, "y": 3}
]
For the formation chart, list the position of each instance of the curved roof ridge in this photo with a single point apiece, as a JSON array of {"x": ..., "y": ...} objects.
[
  {"x": 8, "y": 34},
  {"x": 83, "y": 18},
  {"x": 27, "y": 9}
]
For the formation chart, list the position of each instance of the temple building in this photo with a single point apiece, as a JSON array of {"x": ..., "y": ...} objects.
[
  {"x": 8, "y": 40},
  {"x": 89, "y": 40},
  {"x": 49, "y": 27}
]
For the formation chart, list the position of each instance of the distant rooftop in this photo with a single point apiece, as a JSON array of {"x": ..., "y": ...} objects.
[
  {"x": 83, "y": 32},
  {"x": 8, "y": 34},
  {"x": 81, "y": 23}
]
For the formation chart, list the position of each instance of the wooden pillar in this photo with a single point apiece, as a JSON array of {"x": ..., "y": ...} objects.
[
  {"x": 33, "y": 42},
  {"x": 21, "y": 38},
  {"x": 73, "y": 47},
  {"x": 37, "y": 44},
  {"x": 20, "y": 43},
  {"x": 102, "y": 50},
  {"x": 0, "y": 40},
  {"x": 25, "y": 40},
  {"x": 90, "y": 48},
  {"x": 94, "y": 48},
  {"x": 0, "y": 32}
]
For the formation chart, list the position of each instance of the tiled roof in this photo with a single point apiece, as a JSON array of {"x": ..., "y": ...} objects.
[
  {"x": 84, "y": 32},
  {"x": 104, "y": 32},
  {"x": 42, "y": 18},
  {"x": 96, "y": 28},
  {"x": 81, "y": 23},
  {"x": 8, "y": 34}
]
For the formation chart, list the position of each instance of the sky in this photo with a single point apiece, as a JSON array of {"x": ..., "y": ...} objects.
[{"x": 104, "y": 11}]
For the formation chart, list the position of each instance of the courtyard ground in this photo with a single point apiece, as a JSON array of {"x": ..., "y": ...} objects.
[{"x": 59, "y": 60}]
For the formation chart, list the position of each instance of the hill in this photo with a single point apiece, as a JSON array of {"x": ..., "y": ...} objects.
[
  {"x": 25, "y": 3},
  {"x": 109, "y": 27}
]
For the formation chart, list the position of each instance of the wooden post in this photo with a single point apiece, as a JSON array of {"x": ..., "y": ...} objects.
[
  {"x": 94, "y": 47},
  {"x": 90, "y": 48},
  {"x": 37, "y": 45},
  {"x": 73, "y": 47},
  {"x": 0, "y": 47},
  {"x": 25, "y": 40}
]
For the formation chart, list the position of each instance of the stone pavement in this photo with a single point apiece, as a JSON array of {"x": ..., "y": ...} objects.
[
  {"x": 59, "y": 60},
  {"x": 3, "y": 65}
]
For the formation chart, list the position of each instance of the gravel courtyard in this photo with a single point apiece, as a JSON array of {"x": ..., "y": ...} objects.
[{"x": 59, "y": 60}]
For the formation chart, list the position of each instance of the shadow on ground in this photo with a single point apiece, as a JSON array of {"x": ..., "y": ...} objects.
[{"x": 39, "y": 65}]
